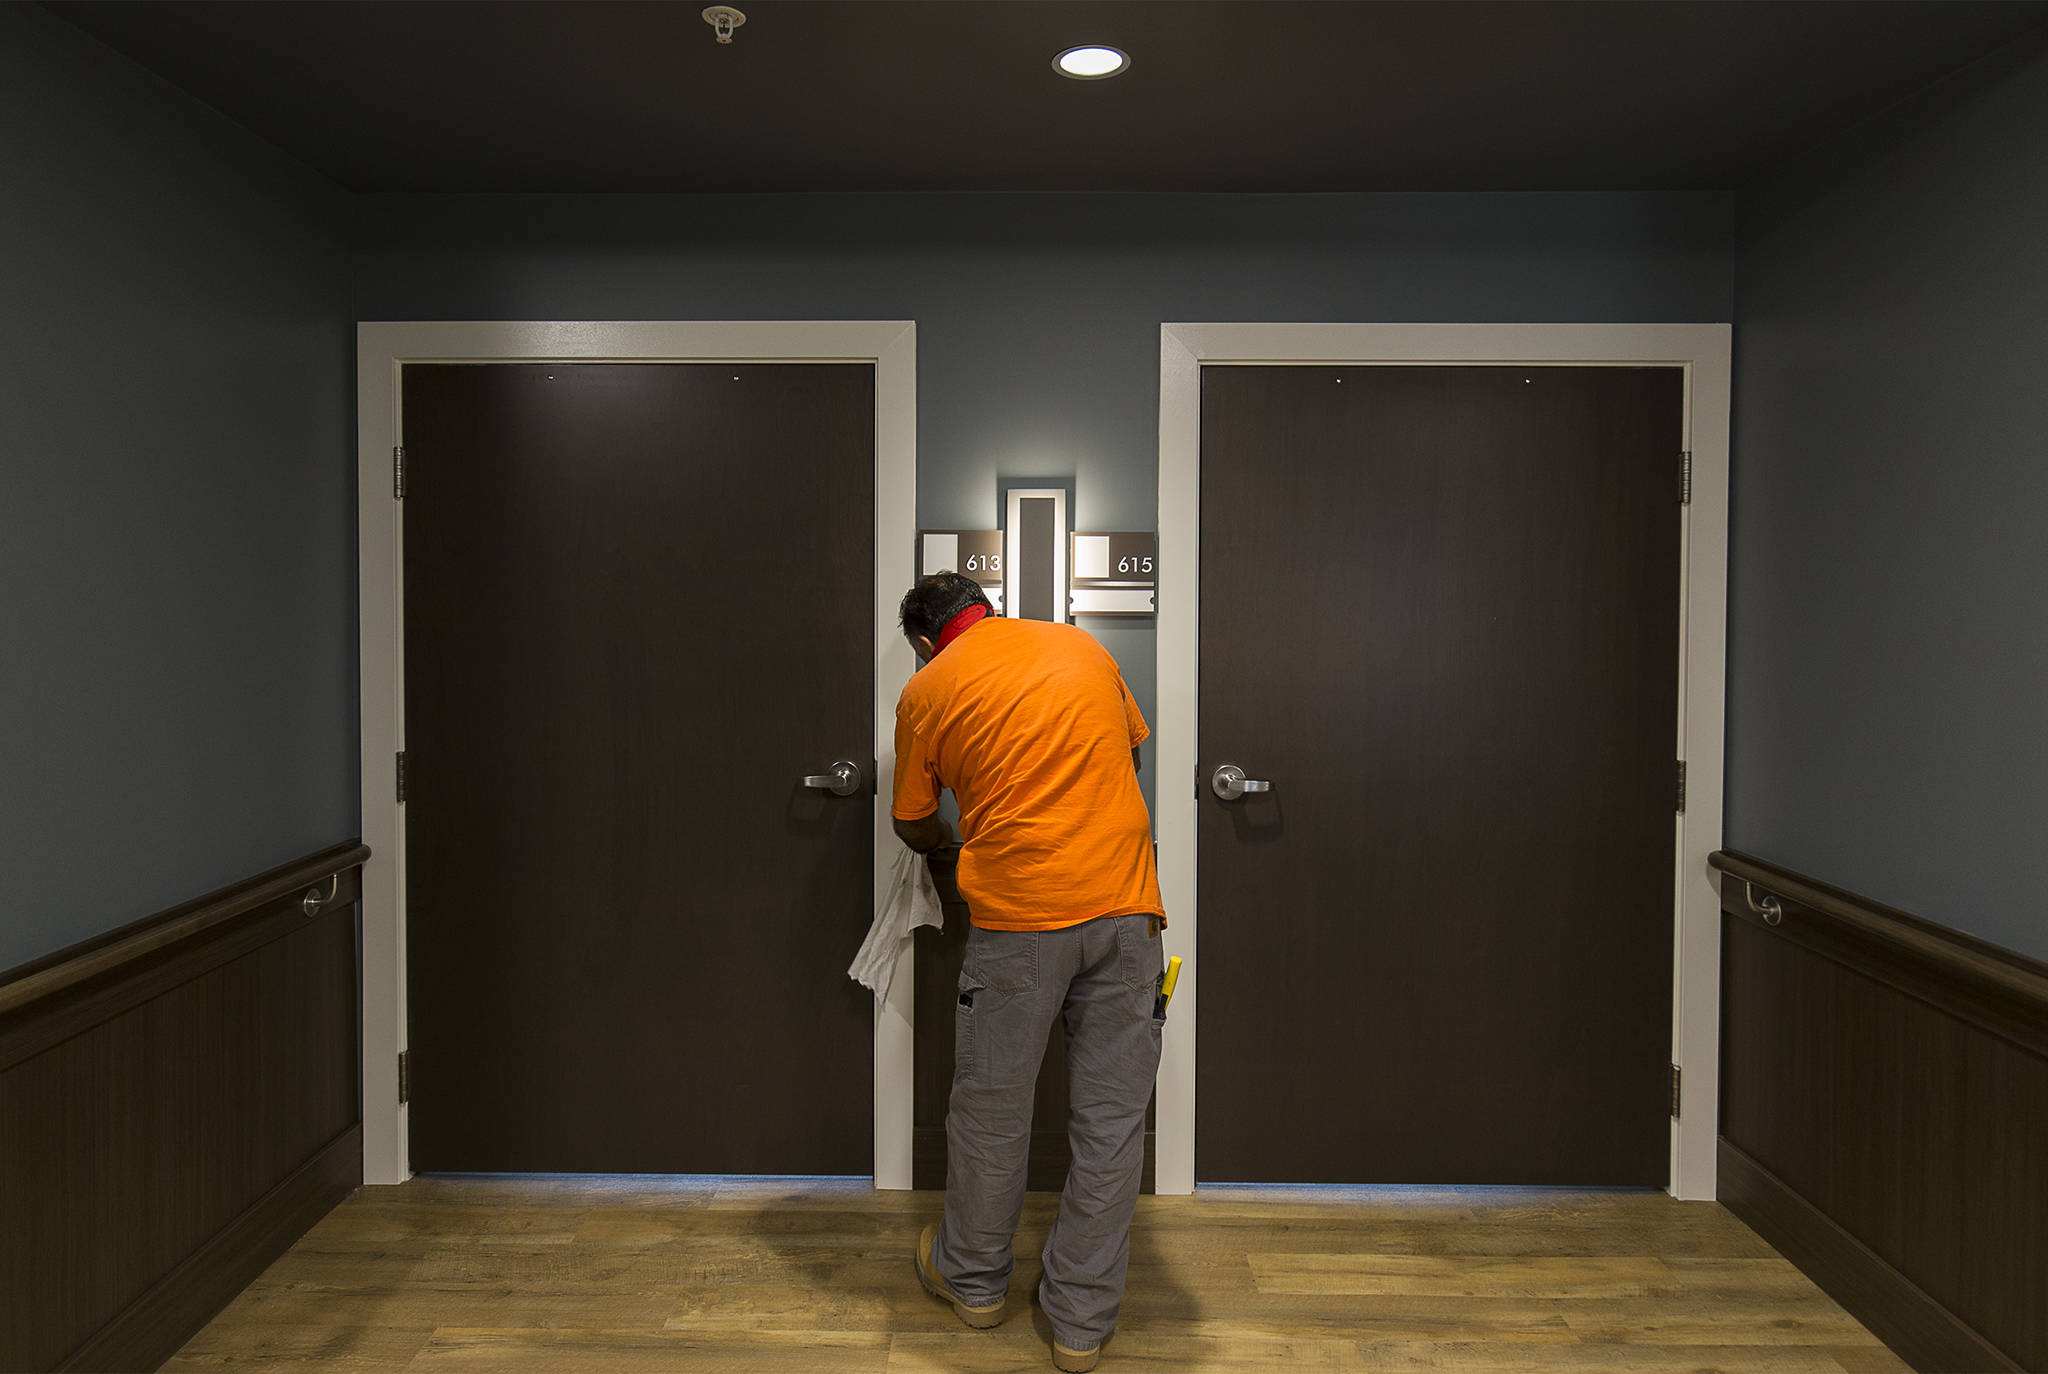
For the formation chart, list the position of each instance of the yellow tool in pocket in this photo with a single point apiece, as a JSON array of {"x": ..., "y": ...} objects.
[{"x": 1166, "y": 988}]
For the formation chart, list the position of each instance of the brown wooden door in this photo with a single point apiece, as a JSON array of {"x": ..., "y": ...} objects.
[
  {"x": 638, "y": 610},
  {"x": 1439, "y": 612}
]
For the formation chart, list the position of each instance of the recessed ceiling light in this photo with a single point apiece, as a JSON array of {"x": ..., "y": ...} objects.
[{"x": 1091, "y": 63}]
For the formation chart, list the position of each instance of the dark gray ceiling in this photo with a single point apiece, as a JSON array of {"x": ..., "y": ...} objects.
[{"x": 959, "y": 95}]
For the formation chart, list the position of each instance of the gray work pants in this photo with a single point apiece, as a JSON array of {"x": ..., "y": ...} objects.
[{"x": 1103, "y": 977}]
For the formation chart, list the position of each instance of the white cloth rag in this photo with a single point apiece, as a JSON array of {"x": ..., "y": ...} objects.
[{"x": 912, "y": 902}]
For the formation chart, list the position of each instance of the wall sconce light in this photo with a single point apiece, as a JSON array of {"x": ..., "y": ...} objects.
[{"x": 1035, "y": 553}]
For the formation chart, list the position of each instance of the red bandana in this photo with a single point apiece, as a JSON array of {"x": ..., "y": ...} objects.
[{"x": 958, "y": 626}]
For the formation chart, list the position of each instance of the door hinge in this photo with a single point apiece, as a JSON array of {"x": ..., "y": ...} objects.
[
  {"x": 401, "y": 778},
  {"x": 398, "y": 472},
  {"x": 1674, "y": 1092},
  {"x": 1685, "y": 482},
  {"x": 405, "y": 1075},
  {"x": 1681, "y": 787}
]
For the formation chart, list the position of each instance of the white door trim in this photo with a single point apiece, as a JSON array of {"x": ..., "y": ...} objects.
[
  {"x": 381, "y": 349},
  {"x": 1703, "y": 350}
]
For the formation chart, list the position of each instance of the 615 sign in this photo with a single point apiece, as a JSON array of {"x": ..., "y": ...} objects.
[{"x": 1114, "y": 574}]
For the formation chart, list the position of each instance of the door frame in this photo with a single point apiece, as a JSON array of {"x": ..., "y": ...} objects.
[
  {"x": 382, "y": 348},
  {"x": 1703, "y": 351}
]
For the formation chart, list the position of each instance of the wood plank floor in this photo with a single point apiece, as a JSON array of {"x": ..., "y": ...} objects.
[{"x": 630, "y": 1274}]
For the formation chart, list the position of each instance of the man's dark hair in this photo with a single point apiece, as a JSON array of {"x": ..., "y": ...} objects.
[{"x": 937, "y": 599}]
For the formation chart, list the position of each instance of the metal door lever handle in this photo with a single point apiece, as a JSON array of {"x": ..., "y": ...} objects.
[
  {"x": 1230, "y": 783},
  {"x": 843, "y": 781}
]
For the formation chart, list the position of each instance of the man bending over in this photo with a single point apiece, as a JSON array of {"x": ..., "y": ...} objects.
[{"x": 1031, "y": 725}]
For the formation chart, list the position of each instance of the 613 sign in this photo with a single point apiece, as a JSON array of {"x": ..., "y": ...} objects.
[{"x": 977, "y": 553}]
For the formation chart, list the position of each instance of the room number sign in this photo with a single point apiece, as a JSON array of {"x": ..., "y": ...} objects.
[
  {"x": 1115, "y": 574},
  {"x": 977, "y": 553}
]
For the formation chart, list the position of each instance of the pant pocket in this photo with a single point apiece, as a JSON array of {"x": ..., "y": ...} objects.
[
  {"x": 1002, "y": 961},
  {"x": 965, "y": 1019},
  {"x": 1141, "y": 959}
]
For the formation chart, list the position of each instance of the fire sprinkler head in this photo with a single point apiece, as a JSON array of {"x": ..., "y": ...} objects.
[{"x": 723, "y": 19}]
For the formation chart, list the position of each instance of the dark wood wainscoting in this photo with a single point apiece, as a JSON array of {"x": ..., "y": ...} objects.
[
  {"x": 1884, "y": 1114},
  {"x": 178, "y": 1104},
  {"x": 939, "y": 955}
]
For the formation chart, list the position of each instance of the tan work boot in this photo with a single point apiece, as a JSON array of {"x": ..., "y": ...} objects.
[
  {"x": 1075, "y": 1361},
  {"x": 980, "y": 1318}
]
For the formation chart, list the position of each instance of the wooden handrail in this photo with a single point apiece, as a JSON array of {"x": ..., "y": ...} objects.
[
  {"x": 181, "y": 923},
  {"x": 1951, "y": 950}
]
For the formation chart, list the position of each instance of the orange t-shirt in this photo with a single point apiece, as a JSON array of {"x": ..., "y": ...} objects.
[{"x": 1031, "y": 725}]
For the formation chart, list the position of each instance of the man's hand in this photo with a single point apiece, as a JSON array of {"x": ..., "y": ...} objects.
[{"x": 924, "y": 834}]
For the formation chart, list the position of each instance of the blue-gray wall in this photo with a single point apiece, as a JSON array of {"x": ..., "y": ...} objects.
[
  {"x": 177, "y": 542},
  {"x": 1038, "y": 316},
  {"x": 1888, "y": 655}
]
